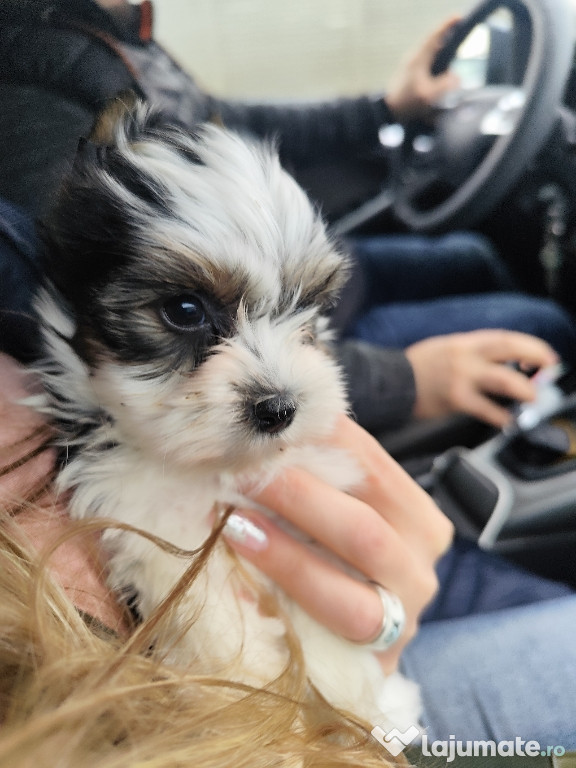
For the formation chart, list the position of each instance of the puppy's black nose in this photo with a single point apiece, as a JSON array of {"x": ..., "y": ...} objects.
[{"x": 274, "y": 414}]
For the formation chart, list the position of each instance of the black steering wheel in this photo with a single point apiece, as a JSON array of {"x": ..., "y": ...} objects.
[{"x": 483, "y": 139}]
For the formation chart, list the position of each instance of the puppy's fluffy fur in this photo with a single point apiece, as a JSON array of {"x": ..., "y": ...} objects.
[{"x": 185, "y": 343}]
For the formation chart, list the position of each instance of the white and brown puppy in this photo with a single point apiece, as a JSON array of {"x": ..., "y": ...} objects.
[{"x": 185, "y": 343}]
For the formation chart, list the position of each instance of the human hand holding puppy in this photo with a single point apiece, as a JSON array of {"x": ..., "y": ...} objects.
[{"x": 390, "y": 530}]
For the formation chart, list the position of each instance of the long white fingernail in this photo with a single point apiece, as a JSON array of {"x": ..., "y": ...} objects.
[{"x": 245, "y": 532}]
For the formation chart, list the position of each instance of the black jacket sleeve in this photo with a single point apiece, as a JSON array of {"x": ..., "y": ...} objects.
[
  {"x": 311, "y": 132},
  {"x": 381, "y": 384}
]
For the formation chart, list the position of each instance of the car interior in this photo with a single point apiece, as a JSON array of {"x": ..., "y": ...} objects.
[{"x": 498, "y": 157}]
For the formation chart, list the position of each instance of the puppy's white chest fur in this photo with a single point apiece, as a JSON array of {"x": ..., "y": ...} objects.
[{"x": 220, "y": 620}]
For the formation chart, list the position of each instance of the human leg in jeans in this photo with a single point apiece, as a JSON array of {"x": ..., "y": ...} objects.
[
  {"x": 398, "y": 325},
  {"x": 415, "y": 267},
  {"x": 499, "y": 675}
]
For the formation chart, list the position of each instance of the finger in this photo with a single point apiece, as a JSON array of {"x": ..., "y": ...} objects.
[
  {"x": 442, "y": 84},
  {"x": 505, "y": 346},
  {"x": 485, "y": 409},
  {"x": 342, "y": 524},
  {"x": 345, "y": 605},
  {"x": 18, "y": 420},
  {"x": 393, "y": 493},
  {"x": 23, "y": 436},
  {"x": 387, "y": 493},
  {"x": 506, "y": 382},
  {"x": 438, "y": 38}
]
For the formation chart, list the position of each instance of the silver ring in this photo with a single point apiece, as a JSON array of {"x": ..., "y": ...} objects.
[{"x": 393, "y": 620}]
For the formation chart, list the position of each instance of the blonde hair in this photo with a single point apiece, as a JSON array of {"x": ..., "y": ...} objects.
[{"x": 74, "y": 694}]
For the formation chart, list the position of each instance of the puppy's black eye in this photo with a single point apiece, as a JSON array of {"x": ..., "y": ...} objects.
[{"x": 185, "y": 312}]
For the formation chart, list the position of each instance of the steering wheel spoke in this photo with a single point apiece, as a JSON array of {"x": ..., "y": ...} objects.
[{"x": 418, "y": 186}]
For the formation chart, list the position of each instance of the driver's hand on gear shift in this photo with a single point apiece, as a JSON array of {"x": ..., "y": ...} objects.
[
  {"x": 462, "y": 372},
  {"x": 415, "y": 90}
]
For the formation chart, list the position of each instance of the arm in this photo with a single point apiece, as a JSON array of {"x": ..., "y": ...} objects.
[
  {"x": 380, "y": 383},
  {"x": 310, "y": 133}
]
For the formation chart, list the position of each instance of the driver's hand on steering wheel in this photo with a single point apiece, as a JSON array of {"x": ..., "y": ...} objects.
[
  {"x": 415, "y": 89},
  {"x": 463, "y": 372}
]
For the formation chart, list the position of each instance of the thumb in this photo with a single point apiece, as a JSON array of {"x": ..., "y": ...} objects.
[{"x": 441, "y": 84}]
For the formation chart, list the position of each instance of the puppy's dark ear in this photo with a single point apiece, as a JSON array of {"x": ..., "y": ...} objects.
[
  {"x": 124, "y": 115},
  {"x": 118, "y": 110}
]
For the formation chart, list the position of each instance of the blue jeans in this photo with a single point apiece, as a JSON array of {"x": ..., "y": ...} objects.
[
  {"x": 495, "y": 656},
  {"x": 416, "y": 267},
  {"x": 417, "y": 287},
  {"x": 500, "y": 675}
]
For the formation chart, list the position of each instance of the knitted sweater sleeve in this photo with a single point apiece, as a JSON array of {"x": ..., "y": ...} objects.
[
  {"x": 380, "y": 383},
  {"x": 309, "y": 132}
]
